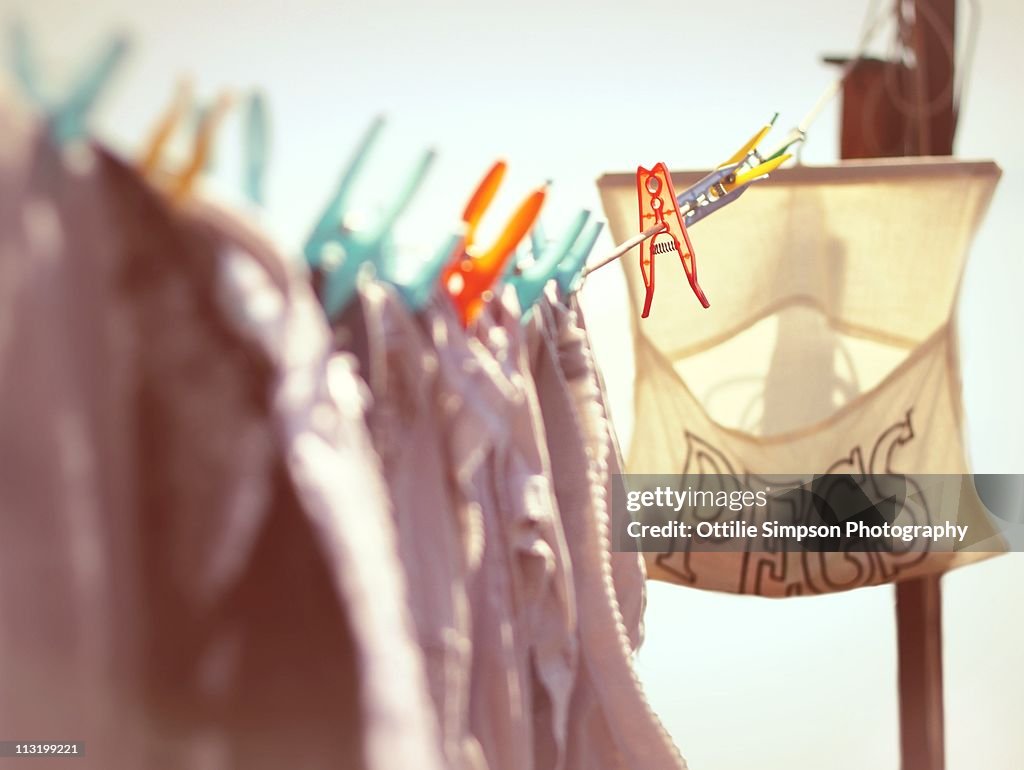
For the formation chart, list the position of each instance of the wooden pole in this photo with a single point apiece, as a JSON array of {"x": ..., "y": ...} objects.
[
  {"x": 934, "y": 39},
  {"x": 919, "y": 634},
  {"x": 926, "y": 121},
  {"x": 919, "y": 602}
]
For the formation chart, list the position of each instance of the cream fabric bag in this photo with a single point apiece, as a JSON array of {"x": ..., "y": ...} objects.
[{"x": 830, "y": 346}]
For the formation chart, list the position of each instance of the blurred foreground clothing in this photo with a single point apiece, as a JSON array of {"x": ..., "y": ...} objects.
[
  {"x": 409, "y": 424},
  {"x": 197, "y": 568},
  {"x": 528, "y": 538},
  {"x": 236, "y": 538}
]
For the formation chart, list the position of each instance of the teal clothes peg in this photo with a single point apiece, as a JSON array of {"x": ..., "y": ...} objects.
[
  {"x": 256, "y": 146},
  {"x": 538, "y": 243},
  {"x": 529, "y": 282},
  {"x": 67, "y": 118},
  {"x": 538, "y": 239},
  {"x": 23, "y": 66},
  {"x": 341, "y": 252},
  {"x": 570, "y": 270},
  {"x": 328, "y": 227},
  {"x": 417, "y": 289},
  {"x": 369, "y": 245}
]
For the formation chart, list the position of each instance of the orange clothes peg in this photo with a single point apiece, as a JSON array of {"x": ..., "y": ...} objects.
[
  {"x": 179, "y": 184},
  {"x": 469, "y": 277},
  {"x": 658, "y": 206}
]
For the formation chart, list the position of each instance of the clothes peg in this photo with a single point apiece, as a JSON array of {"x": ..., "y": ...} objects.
[
  {"x": 149, "y": 161},
  {"x": 256, "y": 146},
  {"x": 570, "y": 270},
  {"x": 23, "y": 65},
  {"x": 719, "y": 188},
  {"x": 341, "y": 251},
  {"x": 731, "y": 179},
  {"x": 529, "y": 282},
  {"x": 538, "y": 238},
  {"x": 329, "y": 225},
  {"x": 67, "y": 118},
  {"x": 179, "y": 184},
  {"x": 416, "y": 289},
  {"x": 654, "y": 187},
  {"x": 469, "y": 277}
]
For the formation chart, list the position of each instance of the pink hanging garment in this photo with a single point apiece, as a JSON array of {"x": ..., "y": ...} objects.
[
  {"x": 611, "y": 724},
  {"x": 408, "y": 422},
  {"x": 528, "y": 531},
  {"x": 628, "y": 572},
  {"x": 473, "y": 399},
  {"x": 319, "y": 404},
  {"x": 192, "y": 524}
]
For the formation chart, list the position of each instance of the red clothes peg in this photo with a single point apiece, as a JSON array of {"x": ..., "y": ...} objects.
[
  {"x": 658, "y": 206},
  {"x": 469, "y": 277}
]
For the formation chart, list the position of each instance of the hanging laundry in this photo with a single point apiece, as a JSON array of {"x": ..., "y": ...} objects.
[
  {"x": 859, "y": 267},
  {"x": 406, "y": 422},
  {"x": 628, "y": 573},
  {"x": 527, "y": 536},
  {"x": 191, "y": 483},
  {"x": 337, "y": 476},
  {"x": 611, "y": 724},
  {"x": 473, "y": 399}
]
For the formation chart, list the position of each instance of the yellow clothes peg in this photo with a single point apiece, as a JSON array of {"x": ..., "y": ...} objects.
[
  {"x": 730, "y": 180},
  {"x": 754, "y": 173},
  {"x": 745, "y": 150},
  {"x": 744, "y": 158}
]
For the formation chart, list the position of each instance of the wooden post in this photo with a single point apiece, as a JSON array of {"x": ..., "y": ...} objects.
[
  {"x": 919, "y": 633},
  {"x": 934, "y": 38},
  {"x": 919, "y": 602},
  {"x": 872, "y": 124},
  {"x": 913, "y": 108}
]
